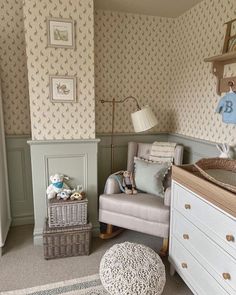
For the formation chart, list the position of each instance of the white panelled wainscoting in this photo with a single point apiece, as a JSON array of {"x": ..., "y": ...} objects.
[
  {"x": 20, "y": 180},
  {"x": 75, "y": 158}
]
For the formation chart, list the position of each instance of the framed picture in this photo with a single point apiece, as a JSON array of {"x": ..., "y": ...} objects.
[
  {"x": 62, "y": 88},
  {"x": 232, "y": 44},
  {"x": 230, "y": 36},
  {"x": 61, "y": 33}
]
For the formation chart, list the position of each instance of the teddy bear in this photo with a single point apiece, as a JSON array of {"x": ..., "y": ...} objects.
[
  {"x": 57, "y": 185},
  {"x": 128, "y": 183}
]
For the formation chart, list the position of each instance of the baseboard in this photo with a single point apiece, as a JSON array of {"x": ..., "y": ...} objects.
[
  {"x": 38, "y": 237},
  {"x": 5, "y": 233},
  {"x": 23, "y": 220}
]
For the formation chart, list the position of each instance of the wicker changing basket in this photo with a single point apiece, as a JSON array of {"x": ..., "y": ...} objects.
[
  {"x": 66, "y": 241},
  {"x": 67, "y": 213},
  {"x": 225, "y": 169}
]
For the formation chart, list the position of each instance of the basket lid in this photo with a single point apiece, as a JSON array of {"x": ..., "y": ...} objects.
[
  {"x": 56, "y": 201},
  {"x": 83, "y": 227}
]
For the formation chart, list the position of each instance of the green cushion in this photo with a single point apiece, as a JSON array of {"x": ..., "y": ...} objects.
[{"x": 149, "y": 176}]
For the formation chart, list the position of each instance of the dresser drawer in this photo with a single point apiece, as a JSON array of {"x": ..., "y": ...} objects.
[
  {"x": 192, "y": 272},
  {"x": 219, "y": 226},
  {"x": 212, "y": 257}
]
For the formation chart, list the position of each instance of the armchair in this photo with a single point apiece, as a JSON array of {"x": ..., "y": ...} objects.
[{"x": 142, "y": 212}]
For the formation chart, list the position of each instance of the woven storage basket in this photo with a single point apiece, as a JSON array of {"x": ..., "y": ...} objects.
[
  {"x": 66, "y": 241},
  {"x": 222, "y": 165},
  {"x": 67, "y": 213}
]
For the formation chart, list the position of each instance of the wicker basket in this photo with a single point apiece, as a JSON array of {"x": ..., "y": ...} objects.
[
  {"x": 67, "y": 213},
  {"x": 226, "y": 169},
  {"x": 66, "y": 241}
]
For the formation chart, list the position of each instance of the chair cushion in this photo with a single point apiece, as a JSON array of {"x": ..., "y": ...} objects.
[
  {"x": 149, "y": 176},
  {"x": 144, "y": 206},
  {"x": 142, "y": 150}
]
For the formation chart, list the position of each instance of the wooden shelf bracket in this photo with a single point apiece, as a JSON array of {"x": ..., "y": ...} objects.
[{"x": 218, "y": 63}]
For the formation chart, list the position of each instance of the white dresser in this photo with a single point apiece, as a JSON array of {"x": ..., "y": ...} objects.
[{"x": 203, "y": 234}]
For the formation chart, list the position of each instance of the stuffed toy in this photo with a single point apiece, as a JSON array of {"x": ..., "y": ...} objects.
[
  {"x": 77, "y": 196},
  {"x": 64, "y": 194},
  {"x": 225, "y": 151},
  {"x": 57, "y": 185},
  {"x": 128, "y": 183}
]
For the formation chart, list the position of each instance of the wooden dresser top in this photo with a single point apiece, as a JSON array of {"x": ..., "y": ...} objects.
[{"x": 188, "y": 176}]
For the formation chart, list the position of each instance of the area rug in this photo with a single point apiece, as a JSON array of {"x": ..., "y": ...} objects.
[{"x": 90, "y": 285}]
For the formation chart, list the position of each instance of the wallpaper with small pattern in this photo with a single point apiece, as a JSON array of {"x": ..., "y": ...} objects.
[
  {"x": 13, "y": 68},
  {"x": 132, "y": 57},
  {"x": 200, "y": 34},
  {"x": 160, "y": 61},
  {"x": 60, "y": 120}
]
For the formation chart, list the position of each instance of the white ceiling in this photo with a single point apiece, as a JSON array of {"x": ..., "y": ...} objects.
[{"x": 165, "y": 8}]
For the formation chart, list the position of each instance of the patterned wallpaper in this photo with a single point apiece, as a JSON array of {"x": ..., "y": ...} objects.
[
  {"x": 60, "y": 120},
  {"x": 160, "y": 61},
  {"x": 132, "y": 57},
  {"x": 13, "y": 68},
  {"x": 200, "y": 33}
]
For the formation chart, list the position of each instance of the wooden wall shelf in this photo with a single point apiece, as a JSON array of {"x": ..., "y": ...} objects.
[
  {"x": 222, "y": 57},
  {"x": 218, "y": 63}
]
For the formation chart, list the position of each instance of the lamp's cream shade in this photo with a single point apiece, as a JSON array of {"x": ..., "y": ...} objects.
[{"x": 143, "y": 119}]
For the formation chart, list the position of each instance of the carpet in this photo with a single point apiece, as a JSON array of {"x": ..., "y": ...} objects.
[{"x": 90, "y": 285}]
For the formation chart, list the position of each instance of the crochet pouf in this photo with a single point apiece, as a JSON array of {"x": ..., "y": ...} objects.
[{"x": 130, "y": 269}]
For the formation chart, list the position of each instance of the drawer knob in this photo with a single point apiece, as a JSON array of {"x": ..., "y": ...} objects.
[
  {"x": 187, "y": 206},
  {"x": 230, "y": 238},
  {"x": 184, "y": 265},
  {"x": 226, "y": 276},
  {"x": 186, "y": 236}
]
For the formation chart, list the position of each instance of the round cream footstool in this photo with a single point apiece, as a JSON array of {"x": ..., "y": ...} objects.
[{"x": 130, "y": 269}]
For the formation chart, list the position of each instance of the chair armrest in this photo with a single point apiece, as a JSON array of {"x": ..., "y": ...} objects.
[
  {"x": 112, "y": 186},
  {"x": 167, "y": 196}
]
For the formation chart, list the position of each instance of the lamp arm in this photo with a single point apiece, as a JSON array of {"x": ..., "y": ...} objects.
[
  {"x": 130, "y": 97},
  {"x": 123, "y": 100}
]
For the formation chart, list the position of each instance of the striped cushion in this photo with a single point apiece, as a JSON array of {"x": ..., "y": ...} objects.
[{"x": 162, "y": 151}]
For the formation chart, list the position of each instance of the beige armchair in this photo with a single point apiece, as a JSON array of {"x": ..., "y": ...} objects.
[{"x": 142, "y": 212}]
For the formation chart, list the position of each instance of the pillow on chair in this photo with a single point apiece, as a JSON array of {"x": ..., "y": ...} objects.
[{"x": 149, "y": 176}]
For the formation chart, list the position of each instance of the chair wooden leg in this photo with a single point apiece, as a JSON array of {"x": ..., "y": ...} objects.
[
  {"x": 110, "y": 233},
  {"x": 164, "y": 249}
]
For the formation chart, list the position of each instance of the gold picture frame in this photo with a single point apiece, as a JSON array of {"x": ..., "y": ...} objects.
[{"x": 60, "y": 33}]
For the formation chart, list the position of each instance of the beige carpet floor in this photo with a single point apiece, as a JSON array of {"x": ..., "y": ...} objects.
[{"x": 22, "y": 264}]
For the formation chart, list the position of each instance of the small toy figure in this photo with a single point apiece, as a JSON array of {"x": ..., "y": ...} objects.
[
  {"x": 128, "y": 183},
  {"x": 65, "y": 194},
  {"x": 225, "y": 151},
  {"x": 57, "y": 185},
  {"x": 77, "y": 196}
]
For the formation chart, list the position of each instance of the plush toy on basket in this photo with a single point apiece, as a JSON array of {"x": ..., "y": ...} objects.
[
  {"x": 65, "y": 194},
  {"x": 60, "y": 190},
  {"x": 77, "y": 196},
  {"x": 57, "y": 185}
]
